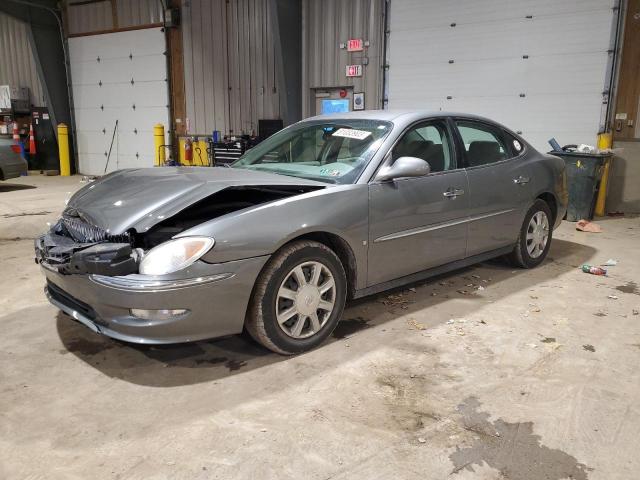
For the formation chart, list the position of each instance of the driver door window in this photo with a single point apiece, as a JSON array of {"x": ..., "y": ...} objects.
[{"x": 430, "y": 142}]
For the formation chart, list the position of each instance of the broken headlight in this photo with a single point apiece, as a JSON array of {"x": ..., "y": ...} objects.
[{"x": 174, "y": 255}]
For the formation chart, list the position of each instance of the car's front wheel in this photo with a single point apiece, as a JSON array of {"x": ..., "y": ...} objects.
[
  {"x": 535, "y": 236},
  {"x": 298, "y": 298}
]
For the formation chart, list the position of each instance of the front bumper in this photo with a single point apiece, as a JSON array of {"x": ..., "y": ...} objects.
[{"x": 216, "y": 296}]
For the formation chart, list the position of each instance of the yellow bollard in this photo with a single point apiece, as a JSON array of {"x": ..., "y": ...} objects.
[
  {"x": 158, "y": 143},
  {"x": 63, "y": 149},
  {"x": 605, "y": 141}
]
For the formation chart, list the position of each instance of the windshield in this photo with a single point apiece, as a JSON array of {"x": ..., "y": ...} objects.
[{"x": 330, "y": 151}]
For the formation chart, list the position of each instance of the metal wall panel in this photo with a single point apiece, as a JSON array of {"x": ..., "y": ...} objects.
[
  {"x": 538, "y": 67},
  {"x": 327, "y": 23},
  {"x": 17, "y": 65},
  {"x": 96, "y": 17},
  {"x": 90, "y": 17},
  {"x": 133, "y": 13},
  {"x": 229, "y": 61}
]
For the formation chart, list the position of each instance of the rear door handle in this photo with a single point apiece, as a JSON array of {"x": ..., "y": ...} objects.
[
  {"x": 521, "y": 180},
  {"x": 453, "y": 192}
]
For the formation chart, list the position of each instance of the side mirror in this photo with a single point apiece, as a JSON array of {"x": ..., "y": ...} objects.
[{"x": 404, "y": 167}]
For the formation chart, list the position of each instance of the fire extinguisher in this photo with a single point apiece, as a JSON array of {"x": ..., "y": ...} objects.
[{"x": 188, "y": 150}]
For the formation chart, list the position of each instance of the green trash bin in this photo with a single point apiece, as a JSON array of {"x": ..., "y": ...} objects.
[{"x": 584, "y": 171}]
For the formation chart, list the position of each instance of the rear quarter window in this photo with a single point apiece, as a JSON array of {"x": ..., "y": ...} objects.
[{"x": 515, "y": 145}]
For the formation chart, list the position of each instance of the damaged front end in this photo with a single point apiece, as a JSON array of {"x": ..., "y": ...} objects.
[{"x": 73, "y": 246}]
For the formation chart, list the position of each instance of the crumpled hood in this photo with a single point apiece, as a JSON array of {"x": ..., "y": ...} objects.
[{"x": 141, "y": 198}]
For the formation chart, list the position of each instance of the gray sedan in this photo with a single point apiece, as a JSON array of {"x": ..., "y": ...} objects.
[{"x": 328, "y": 209}]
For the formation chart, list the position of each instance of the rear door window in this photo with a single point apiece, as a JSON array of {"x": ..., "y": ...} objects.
[{"x": 483, "y": 145}]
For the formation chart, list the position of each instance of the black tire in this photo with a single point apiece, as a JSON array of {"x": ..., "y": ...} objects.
[
  {"x": 261, "y": 321},
  {"x": 520, "y": 256}
]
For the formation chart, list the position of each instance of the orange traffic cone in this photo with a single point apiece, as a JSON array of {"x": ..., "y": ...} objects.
[
  {"x": 16, "y": 136},
  {"x": 32, "y": 141}
]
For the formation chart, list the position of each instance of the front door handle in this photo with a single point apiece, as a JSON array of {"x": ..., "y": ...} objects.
[
  {"x": 521, "y": 180},
  {"x": 453, "y": 192}
]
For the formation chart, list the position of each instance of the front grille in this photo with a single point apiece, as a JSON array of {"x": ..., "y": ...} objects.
[
  {"x": 54, "y": 258},
  {"x": 64, "y": 298},
  {"x": 84, "y": 232}
]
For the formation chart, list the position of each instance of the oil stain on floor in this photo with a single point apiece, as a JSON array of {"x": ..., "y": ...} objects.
[
  {"x": 512, "y": 449},
  {"x": 86, "y": 347},
  {"x": 346, "y": 328},
  {"x": 629, "y": 287}
]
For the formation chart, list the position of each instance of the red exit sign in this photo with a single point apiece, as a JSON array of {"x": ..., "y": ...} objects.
[
  {"x": 355, "y": 45},
  {"x": 354, "y": 70}
]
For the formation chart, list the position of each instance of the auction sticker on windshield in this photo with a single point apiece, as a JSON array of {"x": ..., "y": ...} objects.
[{"x": 351, "y": 133}]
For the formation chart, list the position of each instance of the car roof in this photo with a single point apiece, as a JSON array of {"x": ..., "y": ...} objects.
[
  {"x": 391, "y": 115},
  {"x": 402, "y": 117}
]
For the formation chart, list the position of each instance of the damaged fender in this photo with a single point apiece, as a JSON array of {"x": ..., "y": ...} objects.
[{"x": 109, "y": 223}]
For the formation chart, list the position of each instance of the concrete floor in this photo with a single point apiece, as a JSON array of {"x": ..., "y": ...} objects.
[{"x": 534, "y": 376}]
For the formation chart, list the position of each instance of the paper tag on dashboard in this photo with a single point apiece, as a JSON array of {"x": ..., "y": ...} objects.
[{"x": 351, "y": 133}]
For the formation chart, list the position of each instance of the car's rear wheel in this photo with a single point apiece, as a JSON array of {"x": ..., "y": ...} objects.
[
  {"x": 534, "y": 240},
  {"x": 298, "y": 298}
]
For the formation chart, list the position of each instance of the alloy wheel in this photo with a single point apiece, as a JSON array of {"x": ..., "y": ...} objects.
[
  {"x": 305, "y": 299},
  {"x": 537, "y": 234}
]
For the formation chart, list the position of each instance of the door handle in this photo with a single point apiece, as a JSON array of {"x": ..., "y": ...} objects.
[
  {"x": 521, "y": 180},
  {"x": 453, "y": 192}
]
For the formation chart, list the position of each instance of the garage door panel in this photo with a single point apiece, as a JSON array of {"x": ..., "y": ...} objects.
[
  {"x": 104, "y": 93},
  {"x": 491, "y": 78},
  {"x": 117, "y": 162},
  {"x": 538, "y": 117},
  {"x": 92, "y": 142},
  {"x": 582, "y": 33},
  {"x": 553, "y": 75},
  {"x": 569, "y": 120},
  {"x": 119, "y": 71},
  {"x": 420, "y": 14},
  {"x": 132, "y": 161},
  {"x": 579, "y": 32},
  {"x": 506, "y": 77},
  {"x": 578, "y": 111},
  {"x": 92, "y": 119},
  {"x": 88, "y": 96},
  {"x": 93, "y": 163},
  {"x": 121, "y": 45},
  {"x": 135, "y": 143},
  {"x": 123, "y": 96},
  {"x": 150, "y": 93},
  {"x": 85, "y": 73},
  {"x": 150, "y": 68},
  {"x": 140, "y": 119},
  {"x": 95, "y": 119},
  {"x": 478, "y": 65}
]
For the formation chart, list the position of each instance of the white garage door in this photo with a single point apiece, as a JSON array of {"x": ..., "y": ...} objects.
[
  {"x": 538, "y": 67},
  {"x": 118, "y": 77}
]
